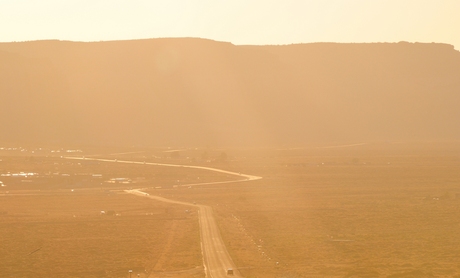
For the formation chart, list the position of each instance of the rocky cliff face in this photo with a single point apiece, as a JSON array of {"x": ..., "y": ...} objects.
[{"x": 196, "y": 92}]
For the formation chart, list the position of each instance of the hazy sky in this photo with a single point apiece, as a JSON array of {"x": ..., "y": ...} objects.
[{"x": 236, "y": 21}]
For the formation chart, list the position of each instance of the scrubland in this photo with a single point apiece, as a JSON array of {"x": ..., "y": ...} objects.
[{"x": 376, "y": 210}]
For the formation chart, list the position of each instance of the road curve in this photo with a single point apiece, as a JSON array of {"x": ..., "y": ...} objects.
[
  {"x": 244, "y": 176},
  {"x": 216, "y": 259}
]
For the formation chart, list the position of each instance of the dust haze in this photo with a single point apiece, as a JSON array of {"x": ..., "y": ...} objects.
[
  {"x": 189, "y": 157},
  {"x": 198, "y": 93}
]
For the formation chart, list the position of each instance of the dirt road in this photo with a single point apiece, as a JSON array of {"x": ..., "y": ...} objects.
[{"x": 216, "y": 259}]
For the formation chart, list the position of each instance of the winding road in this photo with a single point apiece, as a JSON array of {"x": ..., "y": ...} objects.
[{"x": 216, "y": 259}]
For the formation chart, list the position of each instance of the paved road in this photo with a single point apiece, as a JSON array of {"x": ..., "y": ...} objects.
[{"x": 216, "y": 259}]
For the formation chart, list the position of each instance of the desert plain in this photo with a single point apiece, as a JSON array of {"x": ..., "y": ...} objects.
[{"x": 357, "y": 210}]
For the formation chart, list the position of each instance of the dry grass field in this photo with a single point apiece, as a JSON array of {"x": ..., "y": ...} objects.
[
  {"x": 369, "y": 211},
  {"x": 66, "y": 234},
  {"x": 388, "y": 210}
]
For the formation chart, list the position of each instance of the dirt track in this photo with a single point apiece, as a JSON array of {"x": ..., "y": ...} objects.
[{"x": 216, "y": 259}]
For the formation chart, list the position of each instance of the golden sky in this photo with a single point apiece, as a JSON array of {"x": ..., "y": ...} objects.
[{"x": 236, "y": 21}]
